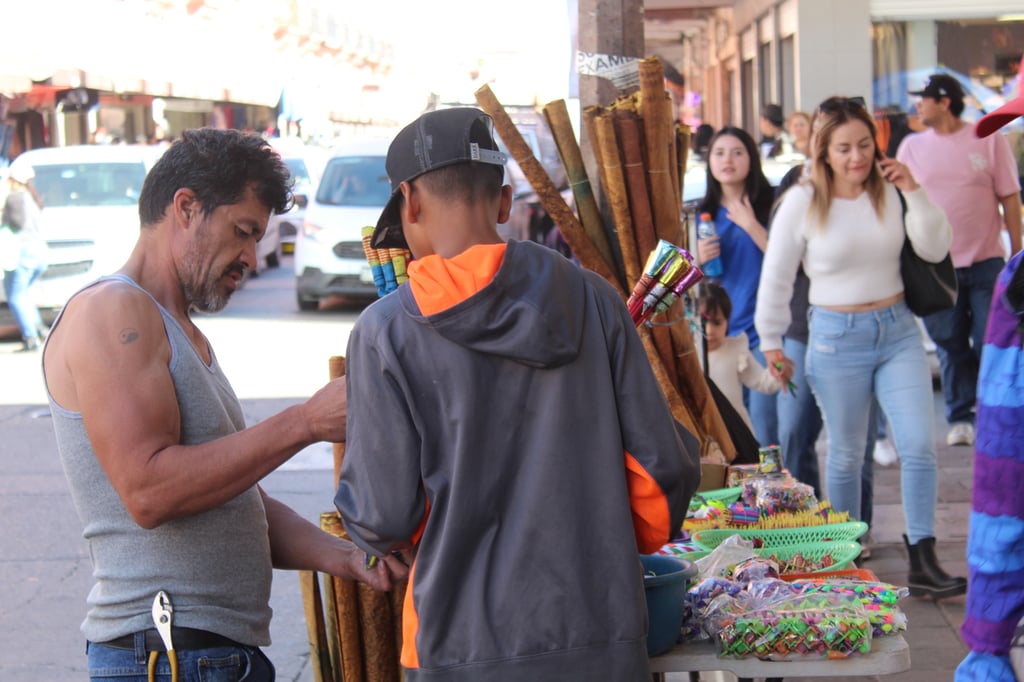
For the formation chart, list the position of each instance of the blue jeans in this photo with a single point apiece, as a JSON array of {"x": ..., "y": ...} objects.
[
  {"x": 799, "y": 421},
  {"x": 219, "y": 664},
  {"x": 799, "y": 428},
  {"x": 851, "y": 356},
  {"x": 761, "y": 407},
  {"x": 959, "y": 334},
  {"x": 17, "y": 283}
]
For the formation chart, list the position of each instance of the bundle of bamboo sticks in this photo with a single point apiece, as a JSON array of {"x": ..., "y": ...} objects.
[{"x": 641, "y": 155}]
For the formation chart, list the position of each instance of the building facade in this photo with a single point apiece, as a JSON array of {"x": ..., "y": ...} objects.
[
  {"x": 741, "y": 55},
  {"x": 140, "y": 70}
]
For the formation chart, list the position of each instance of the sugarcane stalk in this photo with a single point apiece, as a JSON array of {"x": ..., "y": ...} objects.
[
  {"x": 316, "y": 627},
  {"x": 659, "y": 137},
  {"x": 680, "y": 410},
  {"x": 397, "y": 597},
  {"x": 336, "y": 368},
  {"x": 630, "y": 137},
  {"x": 557, "y": 117},
  {"x": 380, "y": 656},
  {"x": 673, "y": 155},
  {"x": 683, "y": 137},
  {"x": 589, "y": 115},
  {"x": 614, "y": 183},
  {"x": 343, "y": 612},
  {"x": 578, "y": 239}
]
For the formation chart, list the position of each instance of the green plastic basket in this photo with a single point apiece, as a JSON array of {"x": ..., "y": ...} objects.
[
  {"x": 842, "y": 553},
  {"x": 779, "y": 537},
  {"x": 725, "y": 495}
]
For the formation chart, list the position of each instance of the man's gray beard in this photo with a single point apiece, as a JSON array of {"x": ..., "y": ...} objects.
[{"x": 204, "y": 297}]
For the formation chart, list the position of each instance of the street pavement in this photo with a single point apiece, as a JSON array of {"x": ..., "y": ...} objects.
[{"x": 45, "y": 568}]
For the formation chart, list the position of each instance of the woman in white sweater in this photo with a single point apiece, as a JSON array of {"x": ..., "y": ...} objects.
[{"x": 845, "y": 223}]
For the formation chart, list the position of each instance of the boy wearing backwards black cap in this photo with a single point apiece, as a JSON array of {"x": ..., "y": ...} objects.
[
  {"x": 505, "y": 422},
  {"x": 970, "y": 178}
]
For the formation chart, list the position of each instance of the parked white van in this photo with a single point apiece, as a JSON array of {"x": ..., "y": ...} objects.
[
  {"x": 90, "y": 217},
  {"x": 329, "y": 255}
]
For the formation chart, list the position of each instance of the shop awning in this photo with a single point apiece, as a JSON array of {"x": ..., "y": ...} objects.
[{"x": 119, "y": 47}]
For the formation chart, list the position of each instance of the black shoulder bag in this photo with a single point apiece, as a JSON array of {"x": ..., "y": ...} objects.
[{"x": 928, "y": 287}]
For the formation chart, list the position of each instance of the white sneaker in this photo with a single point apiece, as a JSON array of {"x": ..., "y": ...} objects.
[
  {"x": 960, "y": 433},
  {"x": 885, "y": 453}
]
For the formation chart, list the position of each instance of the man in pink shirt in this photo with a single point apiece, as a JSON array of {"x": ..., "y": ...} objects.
[{"x": 970, "y": 179}]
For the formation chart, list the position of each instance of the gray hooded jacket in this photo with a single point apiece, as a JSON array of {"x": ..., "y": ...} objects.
[{"x": 520, "y": 440}]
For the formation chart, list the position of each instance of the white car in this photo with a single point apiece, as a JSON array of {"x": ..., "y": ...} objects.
[
  {"x": 305, "y": 164},
  {"x": 90, "y": 216},
  {"x": 329, "y": 255}
]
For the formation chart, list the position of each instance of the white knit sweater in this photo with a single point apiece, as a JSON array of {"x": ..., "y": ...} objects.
[{"x": 853, "y": 259}]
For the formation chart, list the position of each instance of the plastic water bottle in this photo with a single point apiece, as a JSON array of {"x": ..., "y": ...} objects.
[{"x": 705, "y": 230}]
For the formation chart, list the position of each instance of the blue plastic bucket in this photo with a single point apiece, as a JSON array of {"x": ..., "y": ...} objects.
[{"x": 666, "y": 580}]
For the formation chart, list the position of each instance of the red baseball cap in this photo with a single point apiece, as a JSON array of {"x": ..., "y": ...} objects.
[{"x": 996, "y": 119}]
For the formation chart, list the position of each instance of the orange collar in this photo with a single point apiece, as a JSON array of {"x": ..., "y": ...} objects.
[{"x": 439, "y": 283}]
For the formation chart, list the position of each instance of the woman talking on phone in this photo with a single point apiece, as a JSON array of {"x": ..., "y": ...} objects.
[{"x": 845, "y": 223}]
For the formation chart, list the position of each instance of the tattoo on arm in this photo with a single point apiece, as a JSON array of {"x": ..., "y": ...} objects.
[{"x": 128, "y": 335}]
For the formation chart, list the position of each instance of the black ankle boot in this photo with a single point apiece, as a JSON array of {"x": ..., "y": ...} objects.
[{"x": 927, "y": 579}]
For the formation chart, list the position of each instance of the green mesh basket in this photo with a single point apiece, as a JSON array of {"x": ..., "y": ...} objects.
[
  {"x": 778, "y": 537},
  {"x": 724, "y": 495},
  {"x": 842, "y": 555}
]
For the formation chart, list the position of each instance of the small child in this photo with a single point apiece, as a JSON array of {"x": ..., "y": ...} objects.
[{"x": 730, "y": 363}]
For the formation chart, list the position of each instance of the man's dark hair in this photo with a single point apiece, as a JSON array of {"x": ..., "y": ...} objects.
[
  {"x": 218, "y": 165},
  {"x": 464, "y": 182}
]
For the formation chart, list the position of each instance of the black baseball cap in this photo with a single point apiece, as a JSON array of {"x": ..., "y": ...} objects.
[
  {"x": 941, "y": 85},
  {"x": 434, "y": 140}
]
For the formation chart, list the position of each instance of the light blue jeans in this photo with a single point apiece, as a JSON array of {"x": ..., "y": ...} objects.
[
  {"x": 851, "y": 355},
  {"x": 800, "y": 426},
  {"x": 17, "y": 284}
]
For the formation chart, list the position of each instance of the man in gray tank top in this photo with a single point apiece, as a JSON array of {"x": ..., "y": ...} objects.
[{"x": 163, "y": 471}]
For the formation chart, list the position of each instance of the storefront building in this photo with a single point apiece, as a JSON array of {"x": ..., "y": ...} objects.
[
  {"x": 741, "y": 55},
  {"x": 111, "y": 71}
]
